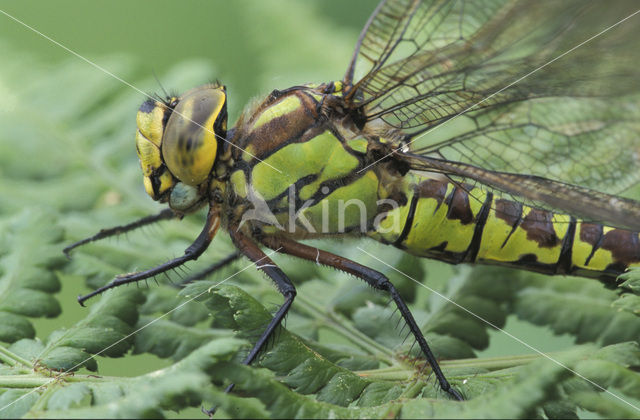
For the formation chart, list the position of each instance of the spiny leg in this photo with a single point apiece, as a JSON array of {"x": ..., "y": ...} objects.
[
  {"x": 248, "y": 248},
  {"x": 373, "y": 278},
  {"x": 105, "y": 233},
  {"x": 191, "y": 253},
  {"x": 211, "y": 269}
]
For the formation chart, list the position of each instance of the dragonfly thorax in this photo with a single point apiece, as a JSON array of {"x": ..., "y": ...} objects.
[
  {"x": 301, "y": 169},
  {"x": 177, "y": 144}
]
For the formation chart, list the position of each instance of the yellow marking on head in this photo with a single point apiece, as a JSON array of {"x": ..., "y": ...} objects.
[
  {"x": 150, "y": 119},
  {"x": 166, "y": 182},
  {"x": 148, "y": 153},
  {"x": 150, "y": 122},
  {"x": 148, "y": 187},
  {"x": 285, "y": 106}
]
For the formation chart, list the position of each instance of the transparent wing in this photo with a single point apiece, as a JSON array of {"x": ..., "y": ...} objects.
[
  {"x": 530, "y": 87},
  {"x": 592, "y": 142}
]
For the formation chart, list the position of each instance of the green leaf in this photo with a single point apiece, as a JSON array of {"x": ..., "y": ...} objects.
[
  {"x": 614, "y": 366},
  {"x": 631, "y": 280},
  {"x": 17, "y": 402},
  {"x": 69, "y": 168},
  {"x": 170, "y": 339},
  {"x": 104, "y": 331},
  {"x": 14, "y": 327},
  {"x": 576, "y": 306},
  {"x": 163, "y": 300},
  {"x": 27, "y": 279},
  {"x": 72, "y": 396},
  {"x": 532, "y": 387},
  {"x": 629, "y": 303},
  {"x": 608, "y": 406},
  {"x": 178, "y": 386}
]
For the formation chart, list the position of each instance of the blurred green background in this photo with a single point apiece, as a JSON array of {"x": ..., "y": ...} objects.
[
  {"x": 247, "y": 40},
  {"x": 248, "y": 44}
]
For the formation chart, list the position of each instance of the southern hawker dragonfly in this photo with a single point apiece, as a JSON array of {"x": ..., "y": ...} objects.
[{"x": 490, "y": 132}]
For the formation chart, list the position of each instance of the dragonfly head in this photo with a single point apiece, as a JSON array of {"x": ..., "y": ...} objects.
[{"x": 177, "y": 142}]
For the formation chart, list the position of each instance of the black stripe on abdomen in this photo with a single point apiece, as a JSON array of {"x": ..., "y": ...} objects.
[
  {"x": 481, "y": 221},
  {"x": 565, "y": 261},
  {"x": 409, "y": 220}
]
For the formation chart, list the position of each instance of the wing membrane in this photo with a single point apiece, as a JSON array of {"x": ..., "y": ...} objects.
[
  {"x": 429, "y": 60},
  {"x": 544, "y": 94},
  {"x": 524, "y": 110},
  {"x": 592, "y": 142}
]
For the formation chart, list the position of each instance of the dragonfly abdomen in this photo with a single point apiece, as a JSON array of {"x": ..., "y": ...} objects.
[{"x": 459, "y": 223}]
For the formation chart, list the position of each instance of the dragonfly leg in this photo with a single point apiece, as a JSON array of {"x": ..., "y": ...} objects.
[
  {"x": 116, "y": 230},
  {"x": 373, "y": 278},
  {"x": 248, "y": 248},
  {"x": 211, "y": 269},
  {"x": 191, "y": 253}
]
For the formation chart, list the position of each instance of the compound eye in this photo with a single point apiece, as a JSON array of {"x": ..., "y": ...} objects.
[{"x": 189, "y": 144}]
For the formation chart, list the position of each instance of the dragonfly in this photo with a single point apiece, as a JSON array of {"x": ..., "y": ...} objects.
[{"x": 485, "y": 132}]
